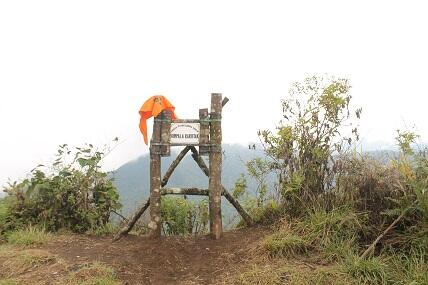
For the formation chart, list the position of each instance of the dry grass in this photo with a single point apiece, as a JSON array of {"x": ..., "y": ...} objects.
[
  {"x": 280, "y": 271},
  {"x": 36, "y": 266},
  {"x": 19, "y": 262},
  {"x": 93, "y": 274}
]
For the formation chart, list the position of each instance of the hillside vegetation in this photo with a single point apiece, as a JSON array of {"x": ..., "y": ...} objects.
[{"x": 326, "y": 213}]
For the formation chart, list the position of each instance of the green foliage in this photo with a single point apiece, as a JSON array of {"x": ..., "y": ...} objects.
[
  {"x": 4, "y": 211},
  {"x": 103, "y": 230},
  {"x": 409, "y": 268},
  {"x": 29, "y": 236},
  {"x": 240, "y": 187},
  {"x": 372, "y": 270},
  {"x": 258, "y": 169},
  {"x": 263, "y": 208},
  {"x": 320, "y": 231},
  {"x": 302, "y": 149},
  {"x": 182, "y": 216},
  {"x": 285, "y": 243},
  {"x": 73, "y": 193}
]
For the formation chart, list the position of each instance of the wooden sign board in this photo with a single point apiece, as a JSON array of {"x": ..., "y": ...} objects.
[{"x": 184, "y": 133}]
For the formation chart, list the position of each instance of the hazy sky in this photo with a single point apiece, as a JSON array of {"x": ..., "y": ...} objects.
[{"x": 78, "y": 71}]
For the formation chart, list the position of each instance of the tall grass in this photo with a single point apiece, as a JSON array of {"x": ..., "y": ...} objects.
[{"x": 30, "y": 235}]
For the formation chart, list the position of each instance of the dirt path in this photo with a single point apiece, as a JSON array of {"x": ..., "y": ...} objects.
[{"x": 171, "y": 260}]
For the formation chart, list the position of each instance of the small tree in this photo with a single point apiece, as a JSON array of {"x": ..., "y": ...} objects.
[{"x": 315, "y": 128}]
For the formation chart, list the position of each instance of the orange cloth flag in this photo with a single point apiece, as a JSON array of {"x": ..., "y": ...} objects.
[{"x": 152, "y": 107}]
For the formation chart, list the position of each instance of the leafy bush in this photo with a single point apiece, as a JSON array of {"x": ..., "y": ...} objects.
[
  {"x": 73, "y": 194},
  {"x": 301, "y": 151}
]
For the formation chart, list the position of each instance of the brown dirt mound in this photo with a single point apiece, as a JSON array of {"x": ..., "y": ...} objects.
[{"x": 170, "y": 260}]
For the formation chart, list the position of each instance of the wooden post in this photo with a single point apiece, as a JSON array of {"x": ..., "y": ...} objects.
[
  {"x": 155, "y": 179},
  {"x": 204, "y": 132},
  {"x": 215, "y": 167},
  {"x": 165, "y": 133}
]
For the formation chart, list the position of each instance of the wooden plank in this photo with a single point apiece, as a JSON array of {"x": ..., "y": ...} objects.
[
  {"x": 216, "y": 228},
  {"x": 224, "y": 102},
  {"x": 204, "y": 132},
  {"x": 155, "y": 181},
  {"x": 165, "y": 133},
  {"x": 185, "y": 191}
]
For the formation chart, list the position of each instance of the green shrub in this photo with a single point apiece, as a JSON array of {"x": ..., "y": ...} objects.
[
  {"x": 182, "y": 216},
  {"x": 75, "y": 194}
]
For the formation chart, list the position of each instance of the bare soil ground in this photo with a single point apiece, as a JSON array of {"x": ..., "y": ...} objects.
[{"x": 140, "y": 260}]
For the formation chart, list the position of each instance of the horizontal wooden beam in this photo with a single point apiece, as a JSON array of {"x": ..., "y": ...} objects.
[{"x": 184, "y": 191}]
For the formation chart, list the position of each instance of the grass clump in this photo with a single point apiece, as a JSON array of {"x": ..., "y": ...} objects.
[
  {"x": 371, "y": 270},
  {"x": 285, "y": 244},
  {"x": 293, "y": 274},
  {"x": 95, "y": 273},
  {"x": 29, "y": 236},
  {"x": 262, "y": 275},
  {"x": 324, "y": 227},
  {"x": 409, "y": 269},
  {"x": 331, "y": 232},
  {"x": 103, "y": 230},
  {"x": 22, "y": 261}
]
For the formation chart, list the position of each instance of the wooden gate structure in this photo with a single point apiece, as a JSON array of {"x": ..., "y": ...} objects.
[{"x": 205, "y": 133}]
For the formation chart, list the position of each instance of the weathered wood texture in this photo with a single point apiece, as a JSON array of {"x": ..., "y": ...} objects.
[
  {"x": 128, "y": 227},
  {"x": 201, "y": 163},
  {"x": 216, "y": 228},
  {"x": 155, "y": 180},
  {"x": 204, "y": 132},
  {"x": 185, "y": 191},
  {"x": 224, "y": 102},
  {"x": 165, "y": 133}
]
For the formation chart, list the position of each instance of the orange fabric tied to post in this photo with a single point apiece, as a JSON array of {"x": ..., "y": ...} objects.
[{"x": 151, "y": 108}]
